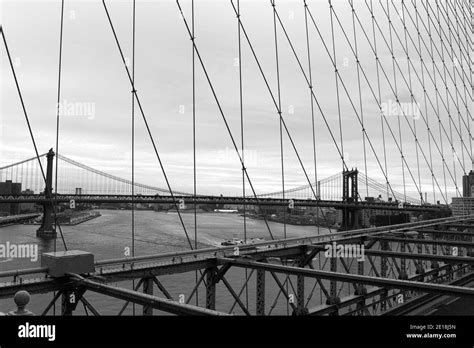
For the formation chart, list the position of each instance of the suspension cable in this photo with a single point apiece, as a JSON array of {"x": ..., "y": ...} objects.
[
  {"x": 453, "y": 55},
  {"x": 336, "y": 73},
  {"x": 360, "y": 92},
  {"x": 388, "y": 80},
  {"x": 57, "y": 124},
  {"x": 390, "y": 84},
  {"x": 456, "y": 87},
  {"x": 242, "y": 138},
  {"x": 221, "y": 111},
  {"x": 396, "y": 96},
  {"x": 412, "y": 100},
  {"x": 463, "y": 80},
  {"x": 133, "y": 139},
  {"x": 313, "y": 124},
  {"x": 424, "y": 99},
  {"x": 449, "y": 137},
  {"x": 147, "y": 126},
  {"x": 349, "y": 97},
  {"x": 31, "y": 132},
  {"x": 57, "y": 106},
  {"x": 279, "y": 112},
  {"x": 379, "y": 100},
  {"x": 438, "y": 53}
]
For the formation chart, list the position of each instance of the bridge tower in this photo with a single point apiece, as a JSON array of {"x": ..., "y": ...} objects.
[
  {"x": 350, "y": 193},
  {"x": 47, "y": 229}
]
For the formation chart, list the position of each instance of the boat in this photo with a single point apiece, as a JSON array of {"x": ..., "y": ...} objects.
[
  {"x": 237, "y": 241},
  {"x": 234, "y": 241}
]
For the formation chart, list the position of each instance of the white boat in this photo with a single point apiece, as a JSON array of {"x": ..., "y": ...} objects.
[
  {"x": 237, "y": 241},
  {"x": 234, "y": 241}
]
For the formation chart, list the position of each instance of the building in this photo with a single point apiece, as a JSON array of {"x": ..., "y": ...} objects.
[
  {"x": 462, "y": 205},
  {"x": 468, "y": 185},
  {"x": 10, "y": 188},
  {"x": 381, "y": 217},
  {"x": 465, "y": 204}
]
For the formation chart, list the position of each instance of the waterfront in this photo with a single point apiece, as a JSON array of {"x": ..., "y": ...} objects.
[{"x": 109, "y": 236}]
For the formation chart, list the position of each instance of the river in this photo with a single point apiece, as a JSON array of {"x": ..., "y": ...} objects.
[{"x": 110, "y": 235}]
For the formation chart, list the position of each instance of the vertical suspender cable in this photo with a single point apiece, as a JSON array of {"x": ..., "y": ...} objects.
[
  {"x": 463, "y": 80},
  {"x": 57, "y": 125},
  {"x": 377, "y": 62},
  {"x": 242, "y": 141},
  {"x": 310, "y": 76},
  {"x": 398, "y": 102},
  {"x": 221, "y": 111},
  {"x": 337, "y": 92},
  {"x": 360, "y": 96},
  {"x": 58, "y": 100},
  {"x": 412, "y": 100},
  {"x": 424, "y": 97},
  {"x": 393, "y": 91},
  {"x": 455, "y": 62},
  {"x": 194, "y": 144},
  {"x": 337, "y": 82},
  {"x": 441, "y": 30},
  {"x": 133, "y": 140},
  {"x": 281, "y": 130},
  {"x": 279, "y": 113},
  {"x": 450, "y": 138},
  {"x": 147, "y": 126},
  {"x": 241, "y": 120},
  {"x": 437, "y": 101},
  {"x": 38, "y": 157},
  {"x": 469, "y": 82}
]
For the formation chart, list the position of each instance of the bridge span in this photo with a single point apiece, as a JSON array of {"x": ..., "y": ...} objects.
[{"x": 405, "y": 265}]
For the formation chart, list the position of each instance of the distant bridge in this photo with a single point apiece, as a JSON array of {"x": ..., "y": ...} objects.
[{"x": 95, "y": 183}]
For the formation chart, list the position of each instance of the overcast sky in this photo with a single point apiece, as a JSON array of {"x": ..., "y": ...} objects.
[{"x": 94, "y": 79}]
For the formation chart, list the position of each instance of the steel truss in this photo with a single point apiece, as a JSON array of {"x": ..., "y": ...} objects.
[{"x": 399, "y": 277}]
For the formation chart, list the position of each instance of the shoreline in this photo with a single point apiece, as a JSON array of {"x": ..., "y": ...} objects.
[{"x": 288, "y": 221}]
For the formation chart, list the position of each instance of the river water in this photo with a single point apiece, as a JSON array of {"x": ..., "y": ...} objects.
[
  {"x": 156, "y": 232},
  {"x": 109, "y": 236}
]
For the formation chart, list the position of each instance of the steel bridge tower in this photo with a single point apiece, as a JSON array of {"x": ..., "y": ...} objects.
[
  {"x": 350, "y": 216},
  {"x": 47, "y": 229}
]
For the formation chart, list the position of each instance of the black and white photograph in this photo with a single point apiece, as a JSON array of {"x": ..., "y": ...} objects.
[{"x": 171, "y": 168}]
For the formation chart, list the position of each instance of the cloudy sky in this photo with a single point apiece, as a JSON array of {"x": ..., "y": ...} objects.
[{"x": 95, "y": 127}]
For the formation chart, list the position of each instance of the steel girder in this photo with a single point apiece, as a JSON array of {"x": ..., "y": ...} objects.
[
  {"x": 260, "y": 288},
  {"x": 354, "y": 278},
  {"x": 359, "y": 300},
  {"x": 147, "y": 300},
  {"x": 424, "y": 241},
  {"x": 414, "y": 303}
]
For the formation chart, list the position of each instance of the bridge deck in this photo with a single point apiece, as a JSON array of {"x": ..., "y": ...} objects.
[{"x": 249, "y": 201}]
